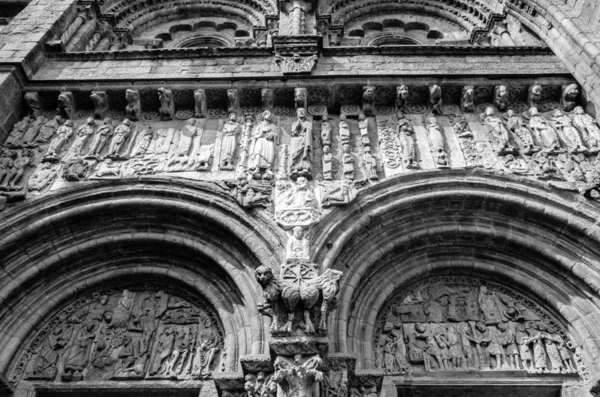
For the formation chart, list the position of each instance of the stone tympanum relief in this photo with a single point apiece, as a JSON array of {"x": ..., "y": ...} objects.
[
  {"x": 126, "y": 334},
  {"x": 461, "y": 323}
]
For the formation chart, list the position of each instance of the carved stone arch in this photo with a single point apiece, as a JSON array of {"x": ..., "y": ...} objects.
[
  {"x": 479, "y": 225},
  {"x": 156, "y": 229}
]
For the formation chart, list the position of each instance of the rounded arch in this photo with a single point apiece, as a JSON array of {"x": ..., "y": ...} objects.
[
  {"x": 543, "y": 242},
  {"x": 194, "y": 234}
]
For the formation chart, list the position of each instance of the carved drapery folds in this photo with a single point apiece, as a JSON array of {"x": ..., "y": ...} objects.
[
  {"x": 461, "y": 323},
  {"x": 126, "y": 334}
]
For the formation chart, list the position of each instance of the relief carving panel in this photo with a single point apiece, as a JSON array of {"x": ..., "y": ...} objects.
[
  {"x": 462, "y": 323},
  {"x": 142, "y": 332}
]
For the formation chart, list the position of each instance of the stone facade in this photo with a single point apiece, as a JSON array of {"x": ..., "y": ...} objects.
[{"x": 299, "y": 199}]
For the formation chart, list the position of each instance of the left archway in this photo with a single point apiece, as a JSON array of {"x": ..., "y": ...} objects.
[{"x": 115, "y": 234}]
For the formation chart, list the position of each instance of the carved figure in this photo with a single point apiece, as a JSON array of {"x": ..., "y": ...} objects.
[
  {"x": 435, "y": 99},
  {"x": 339, "y": 193},
  {"x": 298, "y": 377},
  {"x": 231, "y": 130},
  {"x": 568, "y": 97},
  {"x": 363, "y": 126},
  {"x": 48, "y": 129},
  {"x": 76, "y": 357},
  {"x": 108, "y": 169},
  {"x": 120, "y": 135},
  {"x": 401, "y": 98},
  {"x": 206, "y": 350},
  {"x": 167, "y": 105},
  {"x": 133, "y": 110},
  {"x": 300, "y": 98},
  {"x": 543, "y": 166},
  {"x": 497, "y": 132},
  {"x": 501, "y": 97},
  {"x": 570, "y": 134},
  {"x": 45, "y": 365},
  {"x": 77, "y": 170},
  {"x": 325, "y": 131},
  {"x": 25, "y": 158},
  {"x": 301, "y": 144},
  {"x": 540, "y": 359},
  {"x": 534, "y": 96},
  {"x": 18, "y": 131},
  {"x": 6, "y": 164},
  {"x": 304, "y": 287},
  {"x": 394, "y": 349},
  {"x": 82, "y": 135},
  {"x": 100, "y": 101},
  {"x": 144, "y": 142},
  {"x": 204, "y": 158},
  {"x": 347, "y": 162},
  {"x": 260, "y": 385},
  {"x": 200, "y": 108},
  {"x": 32, "y": 99},
  {"x": 63, "y": 134},
  {"x": 28, "y": 138},
  {"x": 369, "y": 164},
  {"x": 327, "y": 160},
  {"x": 433, "y": 352},
  {"x": 407, "y": 142},
  {"x": 545, "y": 134},
  {"x": 233, "y": 100},
  {"x": 102, "y": 134},
  {"x": 164, "y": 348},
  {"x": 344, "y": 131},
  {"x": 42, "y": 177},
  {"x": 461, "y": 128},
  {"x": 266, "y": 99},
  {"x": 66, "y": 105},
  {"x": 263, "y": 150},
  {"x": 436, "y": 139},
  {"x": 297, "y": 247},
  {"x": 517, "y": 126},
  {"x": 466, "y": 102},
  {"x": 368, "y": 101},
  {"x": 588, "y": 127}
]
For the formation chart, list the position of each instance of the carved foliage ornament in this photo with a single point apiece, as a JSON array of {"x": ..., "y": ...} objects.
[
  {"x": 463, "y": 323},
  {"x": 141, "y": 332}
]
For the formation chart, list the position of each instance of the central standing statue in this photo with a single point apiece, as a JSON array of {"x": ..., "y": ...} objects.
[{"x": 301, "y": 145}]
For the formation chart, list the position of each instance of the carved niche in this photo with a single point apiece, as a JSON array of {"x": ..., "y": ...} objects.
[
  {"x": 463, "y": 323},
  {"x": 140, "y": 332}
]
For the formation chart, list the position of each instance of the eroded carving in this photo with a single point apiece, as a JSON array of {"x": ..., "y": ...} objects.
[
  {"x": 460, "y": 323},
  {"x": 100, "y": 100},
  {"x": 501, "y": 97},
  {"x": 66, "y": 105},
  {"x": 128, "y": 334},
  {"x": 133, "y": 110},
  {"x": 534, "y": 96},
  {"x": 200, "y": 107},
  {"x": 167, "y": 104}
]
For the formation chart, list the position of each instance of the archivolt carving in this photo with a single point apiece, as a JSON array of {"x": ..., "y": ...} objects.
[
  {"x": 140, "y": 332},
  {"x": 458, "y": 323}
]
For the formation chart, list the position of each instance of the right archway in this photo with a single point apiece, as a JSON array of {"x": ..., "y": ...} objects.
[{"x": 489, "y": 259}]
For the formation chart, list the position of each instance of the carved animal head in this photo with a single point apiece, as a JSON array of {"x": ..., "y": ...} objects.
[
  {"x": 467, "y": 94},
  {"x": 162, "y": 93},
  {"x": 571, "y": 91},
  {"x": 199, "y": 95},
  {"x": 32, "y": 100},
  {"x": 98, "y": 98},
  {"x": 369, "y": 94},
  {"x": 500, "y": 94},
  {"x": 435, "y": 94},
  {"x": 402, "y": 93},
  {"x": 63, "y": 99},
  {"x": 131, "y": 96},
  {"x": 232, "y": 95},
  {"x": 264, "y": 275},
  {"x": 535, "y": 91}
]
